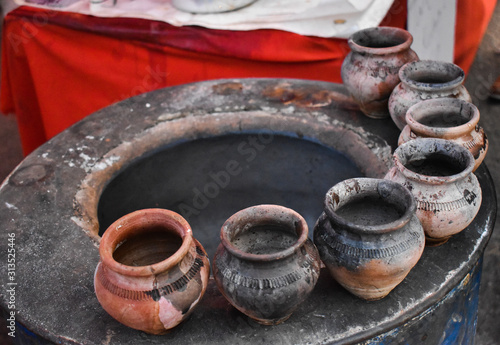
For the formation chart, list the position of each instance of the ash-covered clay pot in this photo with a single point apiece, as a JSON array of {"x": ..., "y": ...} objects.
[
  {"x": 265, "y": 265},
  {"x": 370, "y": 70},
  {"x": 152, "y": 271},
  {"x": 422, "y": 80},
  {"x": 210, "y": 6},
  {"x": 439, "y": 174},
  {"x": 450, "y": 119},
  {"x": 368, "y": 236}
]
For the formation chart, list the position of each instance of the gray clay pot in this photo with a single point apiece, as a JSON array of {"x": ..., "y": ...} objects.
[{"x": 265, "y": 265}]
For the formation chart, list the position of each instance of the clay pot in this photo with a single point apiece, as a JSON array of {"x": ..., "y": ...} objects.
[
  {"x": 447, "y": 118},
  {"x": 152, "y": 271},
  {"x": 210, "y": 6},
  {"x": 265, "y": 265},
  {"x": 439, "y": 174},
  {"x": 368, "y": 236},
  {"x": 370, "y": 70},
  {"x": 426, "y": 79}
]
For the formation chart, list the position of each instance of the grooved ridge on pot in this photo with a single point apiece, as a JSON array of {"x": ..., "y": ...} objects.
[
  {"x": 370, "y": 253},
  {"x": 156, "y": 293}
]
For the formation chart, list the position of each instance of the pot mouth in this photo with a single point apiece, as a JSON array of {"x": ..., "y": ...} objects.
[
  {"x": 145, "y": 242},
  {"x": 431, "y": 75},
  {"x": 369, "y": 205},
  {"x": 443, "y": 117},
  {"x": 433, "y": 161},
  {"x": 264, "y": 233},
  {"x": 380, "y": 40}
]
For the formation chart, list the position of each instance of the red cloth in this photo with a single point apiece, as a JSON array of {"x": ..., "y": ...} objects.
[
  {"x": 58, "y": 67},
  {"x": 472, "y": 21}
]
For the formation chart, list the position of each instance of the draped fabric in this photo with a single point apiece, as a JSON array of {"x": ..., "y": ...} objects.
[{"x": 58, "y": 67}]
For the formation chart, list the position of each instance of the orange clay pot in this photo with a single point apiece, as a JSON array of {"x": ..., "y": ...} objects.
[{"x": 152, "y": 271}]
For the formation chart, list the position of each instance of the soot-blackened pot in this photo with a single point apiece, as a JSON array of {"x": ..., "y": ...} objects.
[
  {"x": 265, "y": 265},
  {"x": 152, "y": 271},
  {"x": 368, "y": 236}
]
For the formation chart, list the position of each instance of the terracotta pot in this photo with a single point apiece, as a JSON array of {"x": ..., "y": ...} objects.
[
  {"x": 152, "y": 271},
  {"x": 426, "y": 79},
  {"x": 439, "y": 174},
  {"x": 447, "y": 118},
  {"x": 210, "y": 6},
  {"x": 265, "y": 265},
  {"x": 370, "y": 70},
  {"x": 368, "y": 236}
]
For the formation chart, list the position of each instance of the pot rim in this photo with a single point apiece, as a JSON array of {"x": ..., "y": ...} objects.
[
  {"x": 396, "y": 33},
  {"x": 433, "y": 106},
  {"x": 258, "y": 215},
  {"x": 416, "y": 145},
  {"x": 432, "y": 66},
  {"x": 135, "y": 222},
  {"x": 370, "y": 185}
]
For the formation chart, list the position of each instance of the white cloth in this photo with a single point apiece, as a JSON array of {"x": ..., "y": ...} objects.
[{"x": 323, "y": 18}]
